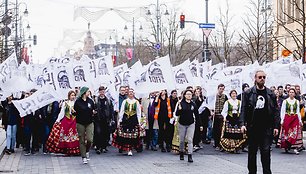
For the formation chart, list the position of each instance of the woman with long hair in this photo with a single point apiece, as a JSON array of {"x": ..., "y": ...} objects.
[
  {"x": 64, "y": 137},
  {"x": 163, "y": 113},
  {"x": 291, "y": 124}
]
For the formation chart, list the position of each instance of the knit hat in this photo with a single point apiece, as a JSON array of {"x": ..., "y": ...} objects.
[
  {"x": 83, "y": 90},
  {"x": 244, "y": 86}
]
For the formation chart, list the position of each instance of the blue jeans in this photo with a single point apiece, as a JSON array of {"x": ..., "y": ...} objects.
[
  {"x": 45, "y": 135},
  {"x": 154, "y": 137},
  {"x": 209, "y": 130},
  {"x": 11, "y": 136}
]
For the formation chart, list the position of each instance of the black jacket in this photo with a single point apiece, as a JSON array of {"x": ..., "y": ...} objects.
[
  {"x": 188, "y": 114},
  {"x": 105, "y": 111},
  {"x": 248, "y": 108}
]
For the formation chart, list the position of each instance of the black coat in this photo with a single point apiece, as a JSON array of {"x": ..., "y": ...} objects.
[{"x": 248, "y": 108}]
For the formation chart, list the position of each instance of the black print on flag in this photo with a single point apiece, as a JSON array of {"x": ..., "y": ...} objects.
[
  {"x": 142, "y": 78},
  {"x": 236, "y": 71},
  {"x": 193, "y": 69},
  {"x": 118, "y": 78},
  {"x": 211, "y": 75},
  {"x": 155, "y": 73},
  {"x": 92, "y": 68},
  {"x": 53, "y": 60},
  {"x": 79, "y": 74},
  {"x": 63, "y": 79},
  {"x": 65, "y": 60},
  {"x": 26, "y": 105},
  {"x": 180, "y": 77},
  {"x": 4, "y": 71},
  {"x": 103, "y": 67},
  {"x": 126, "y": 76}
]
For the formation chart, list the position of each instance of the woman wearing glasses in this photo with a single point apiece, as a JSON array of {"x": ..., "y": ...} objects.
[{"x": 187, "y": 112}]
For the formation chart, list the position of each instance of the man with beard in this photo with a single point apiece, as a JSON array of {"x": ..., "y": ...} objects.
[{"x": 260, "y": 118}]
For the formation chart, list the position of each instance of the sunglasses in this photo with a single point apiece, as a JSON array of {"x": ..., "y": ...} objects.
[{"x": 262, "y": 77}]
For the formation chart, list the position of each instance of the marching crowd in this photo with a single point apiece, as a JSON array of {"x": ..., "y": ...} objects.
[{"x": 163, "y": 121}]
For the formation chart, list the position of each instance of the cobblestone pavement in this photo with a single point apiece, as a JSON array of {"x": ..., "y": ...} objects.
[{"x": 206, "y": 160}]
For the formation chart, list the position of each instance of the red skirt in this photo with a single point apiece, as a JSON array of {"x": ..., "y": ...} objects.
[
  {"x": 64, "y": 137},
  {"x": 291, "y": 132}
]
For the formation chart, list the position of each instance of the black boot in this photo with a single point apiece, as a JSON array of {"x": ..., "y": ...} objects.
[
  {"x": 190, "y": 158},
  {"x": 181, "y": 155}
]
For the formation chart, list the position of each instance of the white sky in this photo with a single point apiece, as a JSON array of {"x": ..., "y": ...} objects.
[{"x": 49, "y": 18}]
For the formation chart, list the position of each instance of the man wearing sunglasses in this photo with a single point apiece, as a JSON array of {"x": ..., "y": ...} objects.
[{"x": 260, "y": 119}]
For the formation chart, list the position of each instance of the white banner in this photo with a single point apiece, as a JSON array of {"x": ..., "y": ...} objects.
[
  {"x": 155, "y": 76},
  {"x": 182, "y": 75},
  {"x": 39, "y": 99}
]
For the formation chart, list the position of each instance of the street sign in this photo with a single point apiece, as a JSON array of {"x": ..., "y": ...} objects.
[
  {"x": 207, "y": 25},
  {"x": 157, "y": 46}
]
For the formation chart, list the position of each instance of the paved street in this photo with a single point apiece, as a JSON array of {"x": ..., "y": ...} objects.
[{"x": 206, "y": 160}]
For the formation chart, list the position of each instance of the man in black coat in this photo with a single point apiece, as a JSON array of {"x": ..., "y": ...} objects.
[
  {"x": 105, "y": 114},
  {"x": 260, "y": 118}
]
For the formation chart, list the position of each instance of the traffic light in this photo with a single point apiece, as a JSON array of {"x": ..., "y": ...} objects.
[
  {"x": 35, "y": 39},
  {"x": 182, "y": 21}
]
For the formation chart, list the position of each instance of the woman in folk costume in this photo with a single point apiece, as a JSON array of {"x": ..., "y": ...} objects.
[
  {"x": 64, "y": 137},
  {"x": 232, "y": 138},
  {"x": 291, "y": 134},
  {"x": 163, "y": 113},
  {"x": 127, "y": 135}
]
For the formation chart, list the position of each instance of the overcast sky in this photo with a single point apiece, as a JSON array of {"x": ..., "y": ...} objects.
[{"x": 49, "y": 18}]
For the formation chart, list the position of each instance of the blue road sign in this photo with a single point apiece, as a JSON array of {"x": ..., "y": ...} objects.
[
  {"x": 157, "y": 46},
  {"x": 207, "y": 25}
]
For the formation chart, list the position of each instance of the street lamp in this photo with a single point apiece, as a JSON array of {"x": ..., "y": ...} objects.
[
  {"x": 158, "y": 17},
  {"x": 116, "y": 40},
  {"x": 133, "y": 35},
  {"x": 264, "y": 9}
]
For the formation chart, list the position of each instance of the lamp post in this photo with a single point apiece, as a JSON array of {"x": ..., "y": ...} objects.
[
  {"x": 265, "y": 8},
  {"x": 115, "y": 31},
  {"x": 133, "y": 36},
  {"x": 158, "y": 20}
]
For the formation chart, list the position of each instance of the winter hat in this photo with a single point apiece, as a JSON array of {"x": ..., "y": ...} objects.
[
  {"x": 83, "y": 90},
  {"x": 244, "y": 86}
]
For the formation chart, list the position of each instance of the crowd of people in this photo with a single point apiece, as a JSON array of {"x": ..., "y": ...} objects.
[{"x": 163, "y": 121}]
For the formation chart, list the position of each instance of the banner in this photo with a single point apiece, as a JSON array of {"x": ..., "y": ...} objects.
[
  {"x": 39, "y": 99},
  {"x": 195, "y": 72},
  {"x": 155, "y": 76},
  {"x": 182, "y": 75}
]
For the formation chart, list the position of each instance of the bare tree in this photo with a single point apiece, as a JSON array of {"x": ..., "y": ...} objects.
[
  {"x": 173, "y": 42},
  {"x": 252, "y": 44},
  {"x": 292, "y": 13},
  {"x": 222, "y": 39}
]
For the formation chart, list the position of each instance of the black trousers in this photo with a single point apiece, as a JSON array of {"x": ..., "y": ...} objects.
[
  {"x": 263, "y": 141},
  {"x": 165, "y": 133},
  {"x": 197, "y": 135},
  {"x": 101, "y": 133},
  {"x": 217, "y": 129}
]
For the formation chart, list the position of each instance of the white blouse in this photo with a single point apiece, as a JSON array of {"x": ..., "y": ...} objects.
[
  {"x": 234, "y": 103},
  {"x": 131, "y": 101},
  {"x": 283, "y": 109}
]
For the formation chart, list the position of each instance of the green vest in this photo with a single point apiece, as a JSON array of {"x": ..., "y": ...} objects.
[
  {"x": 130, "y": 109},
  {"x": 230, "y": 109},
  {"x": 288, "y": 107}
]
